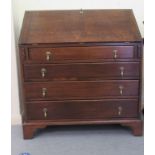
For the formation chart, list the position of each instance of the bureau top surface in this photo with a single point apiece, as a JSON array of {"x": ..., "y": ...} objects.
[{"x": 79, "y": 26}]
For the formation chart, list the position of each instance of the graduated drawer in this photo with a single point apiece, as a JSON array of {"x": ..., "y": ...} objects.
[
  {"x": 81, "y": 89},
  {"x": 82, "y": 71},
  {"x": 80, "y": 54},
  {"x": 84, "y": 109}
]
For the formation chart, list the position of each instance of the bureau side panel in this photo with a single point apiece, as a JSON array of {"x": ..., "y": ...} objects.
[
  {"x": 21, "y": 58},
  {"x": 141, "y": 84}
]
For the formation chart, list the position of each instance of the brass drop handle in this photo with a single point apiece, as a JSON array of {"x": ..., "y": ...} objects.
[
  {"x": 44, "y": 92},
  {"x": 45, "y": 112},
  {"x": 43, "y": 72},
  {"x": 115, "y": 54},
  {"x": 122, "y": 71},
  {"x": 121, "y": 90},
  {"x": 120, "y": 110},
  {"x": 48, "y": 55}
]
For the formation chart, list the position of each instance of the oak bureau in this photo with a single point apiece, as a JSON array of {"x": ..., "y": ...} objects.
[{"x": 80, "y": 67}]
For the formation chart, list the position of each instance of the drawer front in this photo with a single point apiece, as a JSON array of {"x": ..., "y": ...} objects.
[
  {"x": 72, "y": 54},
  {"x": 81, "y": 89},
  {"x": 90, "y": 109},
  {"x": 81, "y": 71}
]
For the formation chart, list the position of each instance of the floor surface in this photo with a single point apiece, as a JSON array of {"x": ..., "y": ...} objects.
[{"x": 78, "y": 140}]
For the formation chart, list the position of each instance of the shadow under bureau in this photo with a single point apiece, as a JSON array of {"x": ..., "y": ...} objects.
[{"x": 80, "y": 67}]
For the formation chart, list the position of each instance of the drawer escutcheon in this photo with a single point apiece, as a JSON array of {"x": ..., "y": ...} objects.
[
  {"x": 48, "y": 55},
  {"x": 44, "y": 92},
  {"x": 121, "y": 90},
  {"x": 122, "y": 71},
  {"x": 45, "y": 112},
  {"x": 43, "y": 72},
  {"x": 120, "y": 110},
  {"x": 115, "y": 55}
]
